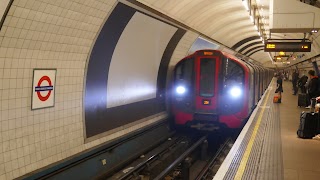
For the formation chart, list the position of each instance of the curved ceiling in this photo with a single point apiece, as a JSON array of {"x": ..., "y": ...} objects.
[
  {"x": 225, "y": 21},
  {"x": 248, "y": 46},
  {"x": 243, "y": 41}
]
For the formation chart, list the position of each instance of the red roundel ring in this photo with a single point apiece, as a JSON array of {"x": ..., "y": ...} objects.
[{"x": 44, "y": 98}]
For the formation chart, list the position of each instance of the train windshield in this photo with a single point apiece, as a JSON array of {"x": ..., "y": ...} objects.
[
  {"x": 232, "y": 89},
  {"x": 207, "y": 74},
  {"x": 233, "y": 75},
  {"x": 184, "y": 77}
]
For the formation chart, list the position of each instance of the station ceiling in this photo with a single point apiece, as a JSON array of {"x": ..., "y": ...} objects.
[{"x": 229, "y": 22}]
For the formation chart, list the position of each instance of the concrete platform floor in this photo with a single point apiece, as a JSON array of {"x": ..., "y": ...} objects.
[{"x": 301, "y": 157}]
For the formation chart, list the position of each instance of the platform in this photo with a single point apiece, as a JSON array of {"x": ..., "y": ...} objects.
[{"x": 268, "y": 147}]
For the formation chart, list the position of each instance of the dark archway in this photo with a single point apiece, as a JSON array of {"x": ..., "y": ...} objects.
[
  {"x": 260, "y": 49},
  {"x": 238, "y": 44},
  {"x": 252, "y": 49}
]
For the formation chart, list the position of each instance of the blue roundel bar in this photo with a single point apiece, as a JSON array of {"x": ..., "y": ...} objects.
[{"x": 43, "y": 88}]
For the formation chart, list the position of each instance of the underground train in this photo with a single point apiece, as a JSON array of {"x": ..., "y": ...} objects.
[{"x": 212, "y": 90}]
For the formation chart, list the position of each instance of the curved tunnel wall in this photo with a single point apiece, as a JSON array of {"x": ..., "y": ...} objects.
[
  {"x": 58, "y": 34},
  {"x": 127, "y": 69}
]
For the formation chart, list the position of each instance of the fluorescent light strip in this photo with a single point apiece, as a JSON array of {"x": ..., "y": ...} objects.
[
  {"x": 245, "y": 4},
  {"x": 252, "y": 20}
]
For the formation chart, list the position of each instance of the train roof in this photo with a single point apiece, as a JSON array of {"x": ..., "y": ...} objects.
[
  {"x": 219, "y": 52},
  {"x": 222, "y": 53}
]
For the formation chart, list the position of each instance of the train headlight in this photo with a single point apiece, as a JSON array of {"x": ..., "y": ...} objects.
[
  {"x": 235, "y": 92},
  {"x": 180, "y": 90}
]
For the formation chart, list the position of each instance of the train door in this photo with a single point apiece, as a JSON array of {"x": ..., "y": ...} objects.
[
  {"x": 207, "y": 87},
  {"x": 261, "y": 81},
  {"x": 251, "y": 86},
  {"x": 258, "y": 83},
  {"x": 265, "y": 79},
  {"x": 256, "y": 87}
]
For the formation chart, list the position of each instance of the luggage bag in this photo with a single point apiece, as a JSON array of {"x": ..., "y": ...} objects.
[
  {"x": 302, "y": 100},
  {"x": 309, "y": 123}
]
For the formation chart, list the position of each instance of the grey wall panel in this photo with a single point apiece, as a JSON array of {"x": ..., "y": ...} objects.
[
  {"x": 119, "y": 63},
  {"x": 135, "y": 61},
  {"x": 98, "y": 68}
]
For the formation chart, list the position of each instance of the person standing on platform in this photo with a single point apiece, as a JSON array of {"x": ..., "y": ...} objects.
[
  {"x": 313, "y": 86},
  {"x": 302, "y": 83},
  {"x": 295, "y": 77},
  {"x": 279, "y": 89}
]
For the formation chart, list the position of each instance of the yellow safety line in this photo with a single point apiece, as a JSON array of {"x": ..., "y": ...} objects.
[{"x": 246, "y": 155}]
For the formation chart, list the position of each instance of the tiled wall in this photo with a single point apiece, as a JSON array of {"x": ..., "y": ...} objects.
[
  {"x": 44, "y": 34},
  {"x": 48, "y": 34},
  {"x": 183, "y": 47}
]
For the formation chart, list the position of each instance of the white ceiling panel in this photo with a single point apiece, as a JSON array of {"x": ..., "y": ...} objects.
[{"x": 225, "y": 21}]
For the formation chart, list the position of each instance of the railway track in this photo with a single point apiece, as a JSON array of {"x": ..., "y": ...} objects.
[
  {"x": 142, "y": 169},
  {"x": 215, "y": 162},
  {"x": 180, "y": 157}
]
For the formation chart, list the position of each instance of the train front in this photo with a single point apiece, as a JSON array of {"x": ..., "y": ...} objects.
[{"x": 208, "y": 91}]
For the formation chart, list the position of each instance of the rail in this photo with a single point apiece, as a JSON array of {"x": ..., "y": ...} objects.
[
  {"x": 82, "y": 162},
  {"x": 180, "y": 158},
  {"x": 205, "y": 171},
  {"x": 151, "y": 159}
]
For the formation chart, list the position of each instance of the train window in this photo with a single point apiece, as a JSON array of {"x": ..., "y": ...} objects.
[
  {"x": 233, "y": 74},
  {"x": 232, "y": 84},
  {"x": 184, "y": 74},
  {"x": 207, "y": 74}
]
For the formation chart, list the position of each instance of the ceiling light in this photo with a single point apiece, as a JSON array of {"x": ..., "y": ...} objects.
[
  {"x": 270, "y": 57},
  {"x": 245, "y": 4},
  {"x": 281, "y": 53},
  {"x": 251, "y": 18}
]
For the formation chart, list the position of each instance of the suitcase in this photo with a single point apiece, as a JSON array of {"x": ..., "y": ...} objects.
[
  {"x": 302, "y": 100},
  {"x": 275, "y": 99},
  {"x": 309, "y": 123}
]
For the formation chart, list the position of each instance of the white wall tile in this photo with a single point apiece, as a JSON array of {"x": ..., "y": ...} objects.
[
  {"x": 46, "y": 34},
  {"x": 23, "y": 3},
  {"x": 2, "y": 168},
  {"x": 3, "y": 177}
]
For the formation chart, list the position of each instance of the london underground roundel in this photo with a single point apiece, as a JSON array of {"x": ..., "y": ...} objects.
[{"x": 43, "y": 88}]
